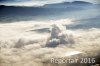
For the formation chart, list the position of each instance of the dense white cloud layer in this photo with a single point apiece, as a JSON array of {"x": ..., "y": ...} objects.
[{"x": 22, "y": 45}]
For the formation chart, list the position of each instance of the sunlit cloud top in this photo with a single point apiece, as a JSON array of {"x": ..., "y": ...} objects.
[{"x": 37, "y": 2}]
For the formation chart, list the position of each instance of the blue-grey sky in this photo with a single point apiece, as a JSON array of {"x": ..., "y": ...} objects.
[{"x": 37, "y": 2}]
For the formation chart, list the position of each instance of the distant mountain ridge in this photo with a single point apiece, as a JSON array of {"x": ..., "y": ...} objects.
[
  {"x": 81, "y": 2},
  {"x": 76, "y": 5},
  {"x": 32, "y": 13},
  {"x": 63, "y": 3}
]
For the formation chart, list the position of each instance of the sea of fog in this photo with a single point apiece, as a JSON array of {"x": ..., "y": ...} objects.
[{"x": 33, "y": 40}]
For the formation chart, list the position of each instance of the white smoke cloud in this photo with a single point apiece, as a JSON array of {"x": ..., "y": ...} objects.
[
  {"x": 20, "y": 45},
  {"x": 59, "y": 35}
]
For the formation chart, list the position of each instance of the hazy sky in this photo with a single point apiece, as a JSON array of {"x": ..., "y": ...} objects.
[{"x": 37, "y": 2}]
